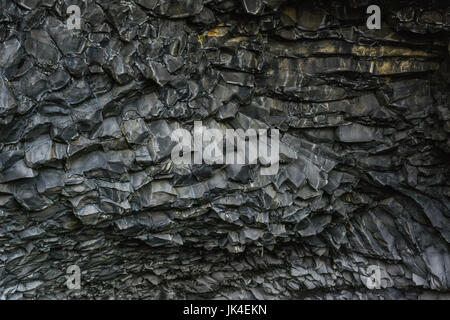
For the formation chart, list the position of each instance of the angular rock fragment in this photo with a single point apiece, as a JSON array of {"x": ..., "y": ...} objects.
[
  {"x": 17, "y": 171},
  {"x": 161, "y": 143},
  {"x": 7, "y": 100},
  {"x": 40, "y": 46},
  {"x": 42, "y": 151},
  {"x": 253, "y": 7},
  {"x": 356, "y": 133},
  {"x": 180, "y": 9},
  {"x": 135, "y": 131},
  {"x": 10, "y": 53}
]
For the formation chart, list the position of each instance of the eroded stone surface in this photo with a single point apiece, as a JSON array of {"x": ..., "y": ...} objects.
[{"x": 86, "y": 176}]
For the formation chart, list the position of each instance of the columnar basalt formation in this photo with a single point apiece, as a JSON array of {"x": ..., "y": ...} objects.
[{"x": 87, "y": 178}]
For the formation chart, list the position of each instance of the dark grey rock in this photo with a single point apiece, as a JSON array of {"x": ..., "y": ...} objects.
[
  {"x": 40, "y": 46},
  {"x": 86, "y": 175},
  {"x": 161, "y": 143}
]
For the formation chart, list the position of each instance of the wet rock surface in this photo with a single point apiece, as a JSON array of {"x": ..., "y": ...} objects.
[{"x": 87, "y": 179}]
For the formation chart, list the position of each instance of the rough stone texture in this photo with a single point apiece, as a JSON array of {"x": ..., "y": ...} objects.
[{"x": 86, "y": 176}]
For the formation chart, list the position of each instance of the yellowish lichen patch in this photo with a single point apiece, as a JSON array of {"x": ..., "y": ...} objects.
[
  {"x": 348, "y": 197},
  {"x": 217, "y": 32},
  {"x": 236, "y": 41},
  {"x": 387, "y": 51},
  {"x": 201, "y": 38}
]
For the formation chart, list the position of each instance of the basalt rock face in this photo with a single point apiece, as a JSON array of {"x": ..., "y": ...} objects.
[{"x": 87, "y": 178}]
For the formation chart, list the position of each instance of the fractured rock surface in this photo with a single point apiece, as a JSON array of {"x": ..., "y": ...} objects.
[{"x": 87, "y": 179}]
